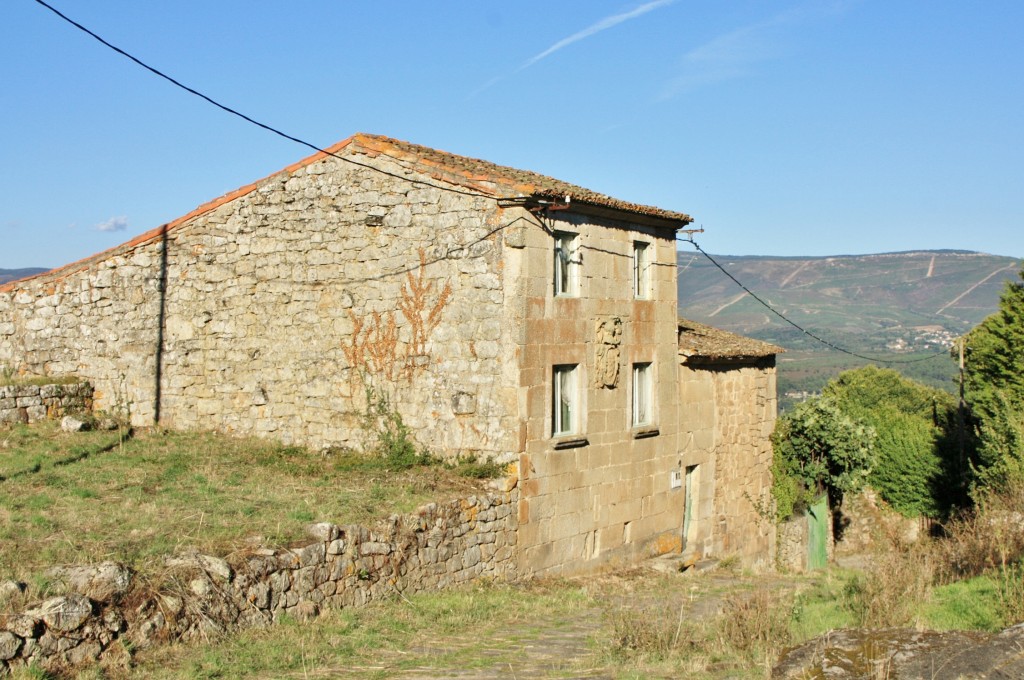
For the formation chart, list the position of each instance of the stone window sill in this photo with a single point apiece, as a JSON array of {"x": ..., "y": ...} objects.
[
  {"x": 645, "y": 432},
  {"x": 569, "y": 442}
]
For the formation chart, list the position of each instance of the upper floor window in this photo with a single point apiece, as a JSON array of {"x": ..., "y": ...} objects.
[
  {"x": 643, "y": 393},
  {"x": 641, "y": 270},
  {"x": 565, "y": 400},
  {"x": 566, "y": 275}
]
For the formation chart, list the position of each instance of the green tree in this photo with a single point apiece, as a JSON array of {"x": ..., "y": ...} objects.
[
  {"x": 994, "y": 388},
  {"x": 818, "y": 449},
  {"x": 917, "y": 468}
]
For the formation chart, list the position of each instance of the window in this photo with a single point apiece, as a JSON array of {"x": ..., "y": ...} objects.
[
  {"x": 643, "y": 380},
  {"x": 641, "y": 270},
  {"x": 566, "y": 264},
  {"x": 565, "y": 401}
]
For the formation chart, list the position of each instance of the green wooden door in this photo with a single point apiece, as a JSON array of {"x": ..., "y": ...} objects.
[{"x": 817, "y": 534}]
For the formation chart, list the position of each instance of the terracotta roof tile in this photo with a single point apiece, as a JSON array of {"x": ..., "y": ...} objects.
[
  {"x": 503, "y": 180},
  {"x": 703, "y": 342}
]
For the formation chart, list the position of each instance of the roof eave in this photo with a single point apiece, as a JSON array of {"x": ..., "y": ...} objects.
[{"x": 645, "y": 219}]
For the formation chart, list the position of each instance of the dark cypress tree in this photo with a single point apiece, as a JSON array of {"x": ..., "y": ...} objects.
[{"x": 994, "y": 388}]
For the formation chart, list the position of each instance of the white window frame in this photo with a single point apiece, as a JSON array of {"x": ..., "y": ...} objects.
[
  {"x": 566, "y": 264},
  {"x": 565, "y": 400},
  {"x": 643, "y": 394},
  {"x": 641, "y": 270}
]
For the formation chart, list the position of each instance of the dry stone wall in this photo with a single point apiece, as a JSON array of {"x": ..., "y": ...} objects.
[
  {"x": 32, "y": 403},
  {"x": 440, "y": 545},
  {"x": 279, "y": 309}
]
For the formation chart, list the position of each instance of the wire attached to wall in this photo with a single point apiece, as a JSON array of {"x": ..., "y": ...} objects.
[
  {"x": 800, "y": 328},
  {"x": 246, "y": 118}
]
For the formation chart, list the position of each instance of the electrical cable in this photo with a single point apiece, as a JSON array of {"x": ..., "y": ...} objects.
[
  {"x": 316, "y": 148},
  {"x": 801, "y": 328},
  {"x": 246, "y": 118}
]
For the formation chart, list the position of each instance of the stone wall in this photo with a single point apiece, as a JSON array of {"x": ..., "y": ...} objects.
[
  {"x": 727, "y": 414},
  {"x": 31, "y": 403},
  {"x": 277, "y": 309},
  {"x": 866, "y": 523},
  {"x": 438, "y": 546},
  {"x": 746, "y": 407}
]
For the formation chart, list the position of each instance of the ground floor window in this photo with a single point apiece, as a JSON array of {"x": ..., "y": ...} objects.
[{"x": 565, "y": 400}]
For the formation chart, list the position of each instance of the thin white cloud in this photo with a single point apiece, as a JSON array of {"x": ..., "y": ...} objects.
[
  {"x": 119, "y": 223},
  {"x": 593, "y": 29},
  {"x": 736, "y": 54}
]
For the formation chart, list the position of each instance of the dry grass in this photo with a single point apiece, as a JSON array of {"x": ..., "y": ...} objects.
[
  {"x": 892, "y": 591},
  {"x": 986, "y": 543},
  {"x": 159, "y": 493},
  {"x": 991, "y": 537},
  {"x": 746, "y": 636}
]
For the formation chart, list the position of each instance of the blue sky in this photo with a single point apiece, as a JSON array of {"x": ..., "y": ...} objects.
[{"x": 784, "y": 128}]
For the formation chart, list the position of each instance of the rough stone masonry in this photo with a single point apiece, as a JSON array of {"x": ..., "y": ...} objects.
[{"x": 439, "y": 545}]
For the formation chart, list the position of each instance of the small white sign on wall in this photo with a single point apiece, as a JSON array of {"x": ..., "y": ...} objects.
[{"x": 676, "y": 479}]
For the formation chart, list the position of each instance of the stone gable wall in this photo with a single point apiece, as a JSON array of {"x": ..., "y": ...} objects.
[
  {"x": 284, "y": 308},
  {"x": 438, "y": 546}
]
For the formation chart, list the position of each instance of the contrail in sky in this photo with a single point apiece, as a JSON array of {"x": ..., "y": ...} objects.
[
  {"x": 602, "y": 25},
  {"x": 593, "y": 29}
]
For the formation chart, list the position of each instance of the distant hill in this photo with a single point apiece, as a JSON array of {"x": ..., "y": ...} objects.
[
  {"x": 15, "y": 274},
  {"x": 889, "y": 305}
]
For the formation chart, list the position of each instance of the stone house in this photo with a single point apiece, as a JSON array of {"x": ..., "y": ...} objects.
[{"x": 503, "y": 314}]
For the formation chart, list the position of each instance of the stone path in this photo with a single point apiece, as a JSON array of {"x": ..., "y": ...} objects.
[{"x": 565, "y": 648}]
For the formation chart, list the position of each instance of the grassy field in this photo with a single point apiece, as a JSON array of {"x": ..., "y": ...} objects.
[{"x": 87, "y": 497}]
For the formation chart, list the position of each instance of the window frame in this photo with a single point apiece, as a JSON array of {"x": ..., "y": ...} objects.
[
  {"x": 565, "y": 392},
  {"x": 565, "y": 277},
  {"x": 642, "y": 406},
  {"x": 642, "y": 270}
]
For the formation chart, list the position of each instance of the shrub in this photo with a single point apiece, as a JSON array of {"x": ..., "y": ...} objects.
[
  {"x": 392, "y": 438},
  {"x": 818, "y": 449},
  {"x": 916, "y": 469}
]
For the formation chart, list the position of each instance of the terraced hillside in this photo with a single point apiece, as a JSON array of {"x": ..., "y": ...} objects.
[{"x": 895, "y": 306}]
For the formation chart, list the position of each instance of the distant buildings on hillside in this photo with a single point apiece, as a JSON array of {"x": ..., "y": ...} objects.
[{"x": 923, "y": 338}]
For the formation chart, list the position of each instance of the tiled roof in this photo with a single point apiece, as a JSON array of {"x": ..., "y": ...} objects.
[
  {"x": 503, "y": 180},
  {"x": 702, "y": 342},
  {"x": 488, "y": 178}
]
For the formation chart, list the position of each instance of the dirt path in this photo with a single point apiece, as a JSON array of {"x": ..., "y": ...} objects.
[{"x": 566, "y": 647}]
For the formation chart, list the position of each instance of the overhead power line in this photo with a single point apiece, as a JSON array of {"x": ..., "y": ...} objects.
[
  {"x": 314, "y": 147},
  {"x": 248, "y": 119},
  {"x": 800, "y": 328}
]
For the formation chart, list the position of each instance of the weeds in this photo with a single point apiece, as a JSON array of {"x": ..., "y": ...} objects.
[
  {"x": 393, "y": 440},
  {"x": 1011, "y": 593},
  {"x": 989, "y": 537},
  {"x": 749, "y": 632},
  {"x": 476, "y": 469},
  {"x": 892, "y": 591}
]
